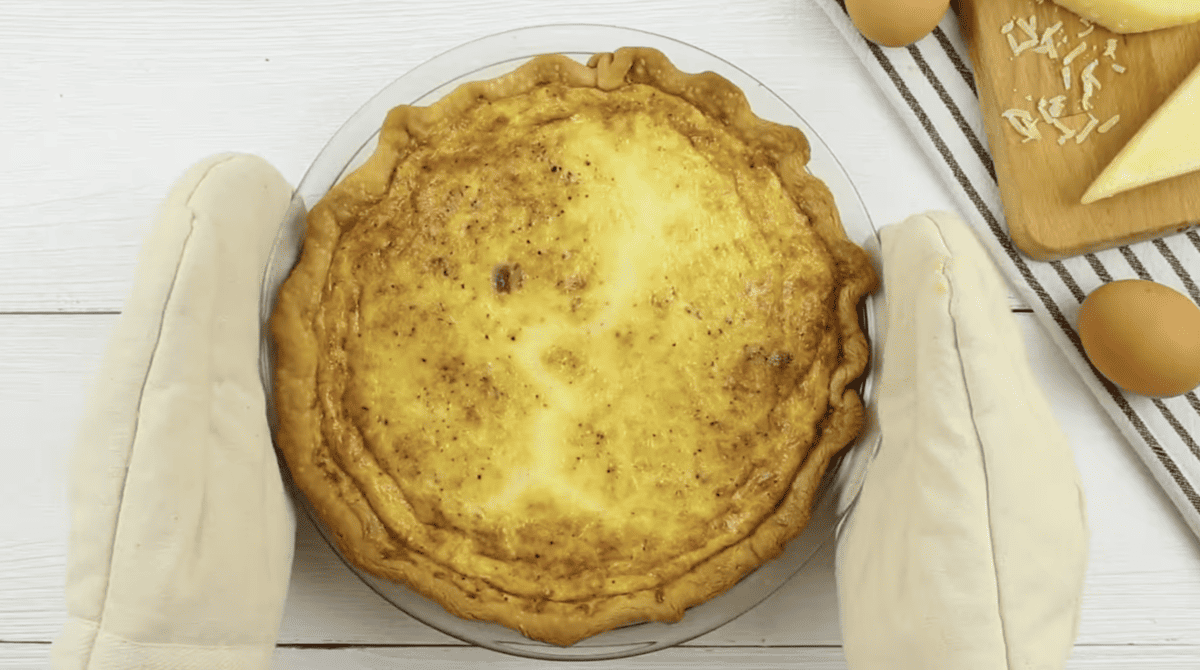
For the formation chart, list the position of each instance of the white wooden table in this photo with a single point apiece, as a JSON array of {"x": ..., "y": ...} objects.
[{"x": 102, "y": 107}]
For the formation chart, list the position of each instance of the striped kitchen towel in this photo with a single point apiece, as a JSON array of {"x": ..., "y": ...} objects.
[{"x": 932, "y": 87}]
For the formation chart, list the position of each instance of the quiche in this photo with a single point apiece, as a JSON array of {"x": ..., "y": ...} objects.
[{"x": 573, "y": 348}]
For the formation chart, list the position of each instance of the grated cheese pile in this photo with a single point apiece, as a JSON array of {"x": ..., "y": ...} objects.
[{"x": 1023, "y": 36}]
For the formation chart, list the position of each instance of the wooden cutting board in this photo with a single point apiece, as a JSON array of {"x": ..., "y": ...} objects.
[{"x": 1041, "y": 181}]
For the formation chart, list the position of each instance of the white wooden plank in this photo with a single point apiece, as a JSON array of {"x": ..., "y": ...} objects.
[
  {"x": 1174, "y": 657},
  {"x": 809, "y": 658},
  {"x": 1143, "y": 585},
  {"x": 450, "y": 658},
  {"x": 47, "y": 365},
  {"x": 24, "y": 656},
  {"x": 117, "y": 99}
]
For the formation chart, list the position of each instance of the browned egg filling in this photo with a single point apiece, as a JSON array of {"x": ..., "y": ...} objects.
[{"x": 586, "y": 339}]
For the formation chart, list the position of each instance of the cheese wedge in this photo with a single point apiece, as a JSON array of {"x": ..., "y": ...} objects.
[
  {"x": 1168, "y": 145},
  {"x": 1135, "y": 16}
]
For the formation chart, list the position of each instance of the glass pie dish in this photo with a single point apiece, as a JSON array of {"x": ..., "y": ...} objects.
[{"x": 490, "y": 57}]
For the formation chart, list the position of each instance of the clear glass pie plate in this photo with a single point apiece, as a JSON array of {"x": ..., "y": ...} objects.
[{"x": 489, "y": 57}]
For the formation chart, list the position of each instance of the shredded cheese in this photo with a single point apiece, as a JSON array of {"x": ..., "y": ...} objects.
[
  {"x": 1047, "y": 49},
  {"x": 1089, "y": 74},
  {"x": 1044, "y": 111},
  {"x": 1046, "y": 46},
  {"x": 1074, "y": 54},
  {"x": 1090, "y": 84},
  {"x": 1065, "y": 132},
  {"x": 1049, "y": 110},
  {"x": 1056, "y": 105},
  {"x": 1087, "y": 130},
  {"x": 1024, "y": 123},
  {"x": 1029, "y": 26}
]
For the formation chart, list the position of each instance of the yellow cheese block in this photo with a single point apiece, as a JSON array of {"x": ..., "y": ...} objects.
[
  {"x": 1136, "y": 16},
  {"x": 1168, "y": 145}
]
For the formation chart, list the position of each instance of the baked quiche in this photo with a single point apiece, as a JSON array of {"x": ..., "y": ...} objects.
[{"x": 572, "y": 349}]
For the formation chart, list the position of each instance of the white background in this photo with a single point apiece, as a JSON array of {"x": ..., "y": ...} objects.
[{"x": 104, "y": 105}]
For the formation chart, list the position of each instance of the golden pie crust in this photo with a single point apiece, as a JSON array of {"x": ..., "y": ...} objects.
[{"x": 571, "y": 350}]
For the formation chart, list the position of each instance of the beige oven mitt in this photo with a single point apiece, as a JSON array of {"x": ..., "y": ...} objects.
[
  {"x": 181, "y": 529},
  {"x": 967, "y": 545}
]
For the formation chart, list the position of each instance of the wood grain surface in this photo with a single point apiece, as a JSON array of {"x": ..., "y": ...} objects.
[{"x": 1042, "y": 181}]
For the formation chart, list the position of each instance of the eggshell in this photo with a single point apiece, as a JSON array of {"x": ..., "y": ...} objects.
[
  {"x": 1143, "y": 336},
  {"x": 896, "y": 23}
]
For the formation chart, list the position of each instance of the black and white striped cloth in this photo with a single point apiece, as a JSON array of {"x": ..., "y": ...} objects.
[{"x": 931, "y": 85}]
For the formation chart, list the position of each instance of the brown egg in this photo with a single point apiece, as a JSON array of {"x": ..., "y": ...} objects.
[
  {"x": 1143, "y": 336},
  {"x": 896, "y": 23}
]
